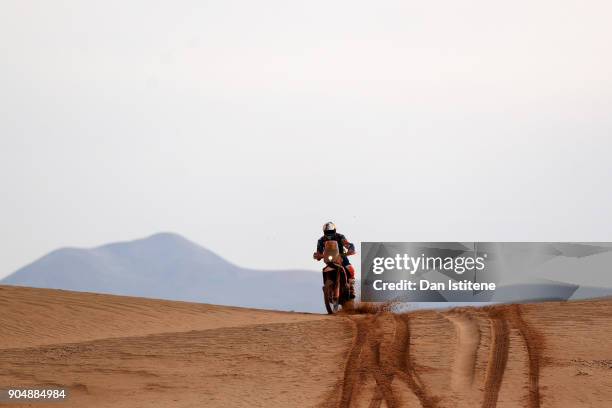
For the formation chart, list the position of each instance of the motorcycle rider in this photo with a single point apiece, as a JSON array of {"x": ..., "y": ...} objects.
[{"x": 330, "y": 234}]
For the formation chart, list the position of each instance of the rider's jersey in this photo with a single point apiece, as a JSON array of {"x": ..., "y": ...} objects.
[{"x": 343, "y": 243}]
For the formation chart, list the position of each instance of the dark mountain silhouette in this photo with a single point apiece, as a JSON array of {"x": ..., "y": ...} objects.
[{"x": 168, "y": 266}]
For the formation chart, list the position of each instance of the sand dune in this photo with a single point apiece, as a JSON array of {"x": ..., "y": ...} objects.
[
  {"x": 34, "y": 317},
  {"x": 116, "y": 351}
]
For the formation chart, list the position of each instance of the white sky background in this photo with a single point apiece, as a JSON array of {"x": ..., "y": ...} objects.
[{"x": 245, "y": 125}]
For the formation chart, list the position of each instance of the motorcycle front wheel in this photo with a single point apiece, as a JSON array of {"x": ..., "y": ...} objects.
[{"x": 332, "y": 306}]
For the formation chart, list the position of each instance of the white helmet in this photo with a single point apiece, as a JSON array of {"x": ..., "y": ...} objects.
[{"x": 329, "y": 228}]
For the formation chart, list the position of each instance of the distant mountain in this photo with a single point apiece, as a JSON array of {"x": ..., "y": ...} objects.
[{"x": 168, "y": 266}]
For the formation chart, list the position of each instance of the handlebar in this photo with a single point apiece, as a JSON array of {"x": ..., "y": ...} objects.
[{"x": 319, "y": 256}]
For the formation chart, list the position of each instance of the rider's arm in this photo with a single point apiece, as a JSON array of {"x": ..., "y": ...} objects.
[
  {"x": 320, "y": 246},
  {"x": 319, "y": 254},
  {"x": 348, "y": 245}
]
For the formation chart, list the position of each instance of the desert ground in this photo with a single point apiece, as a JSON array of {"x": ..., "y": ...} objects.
[{"x": 113, "y": 351}]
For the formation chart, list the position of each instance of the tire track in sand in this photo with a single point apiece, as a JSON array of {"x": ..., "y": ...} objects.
[
  {"x": 405, "y": 369},
  {"x": 363, "y": 361},
  {"x": 365, "y": 358},
  {"x": 352, "y": 369},
  {"x": 465, "y": 354},
  {"x": 532, "y": 344},
  {"x": 383, "y": 373},
  {"x": 498, "y": 357}
]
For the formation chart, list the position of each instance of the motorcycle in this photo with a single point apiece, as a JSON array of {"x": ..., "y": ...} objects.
[{"x": 336, "y": 288}]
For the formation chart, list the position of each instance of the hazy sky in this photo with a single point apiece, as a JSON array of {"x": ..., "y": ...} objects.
[{"x": 245, "y": 125}]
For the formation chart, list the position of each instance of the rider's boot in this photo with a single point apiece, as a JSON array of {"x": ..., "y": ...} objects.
[
  {"x": 351, "y": 288},
  {"x": 351, "y": 281}
]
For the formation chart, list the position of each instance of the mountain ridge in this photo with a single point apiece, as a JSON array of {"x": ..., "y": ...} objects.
[{"x": 169, "y": 266}]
